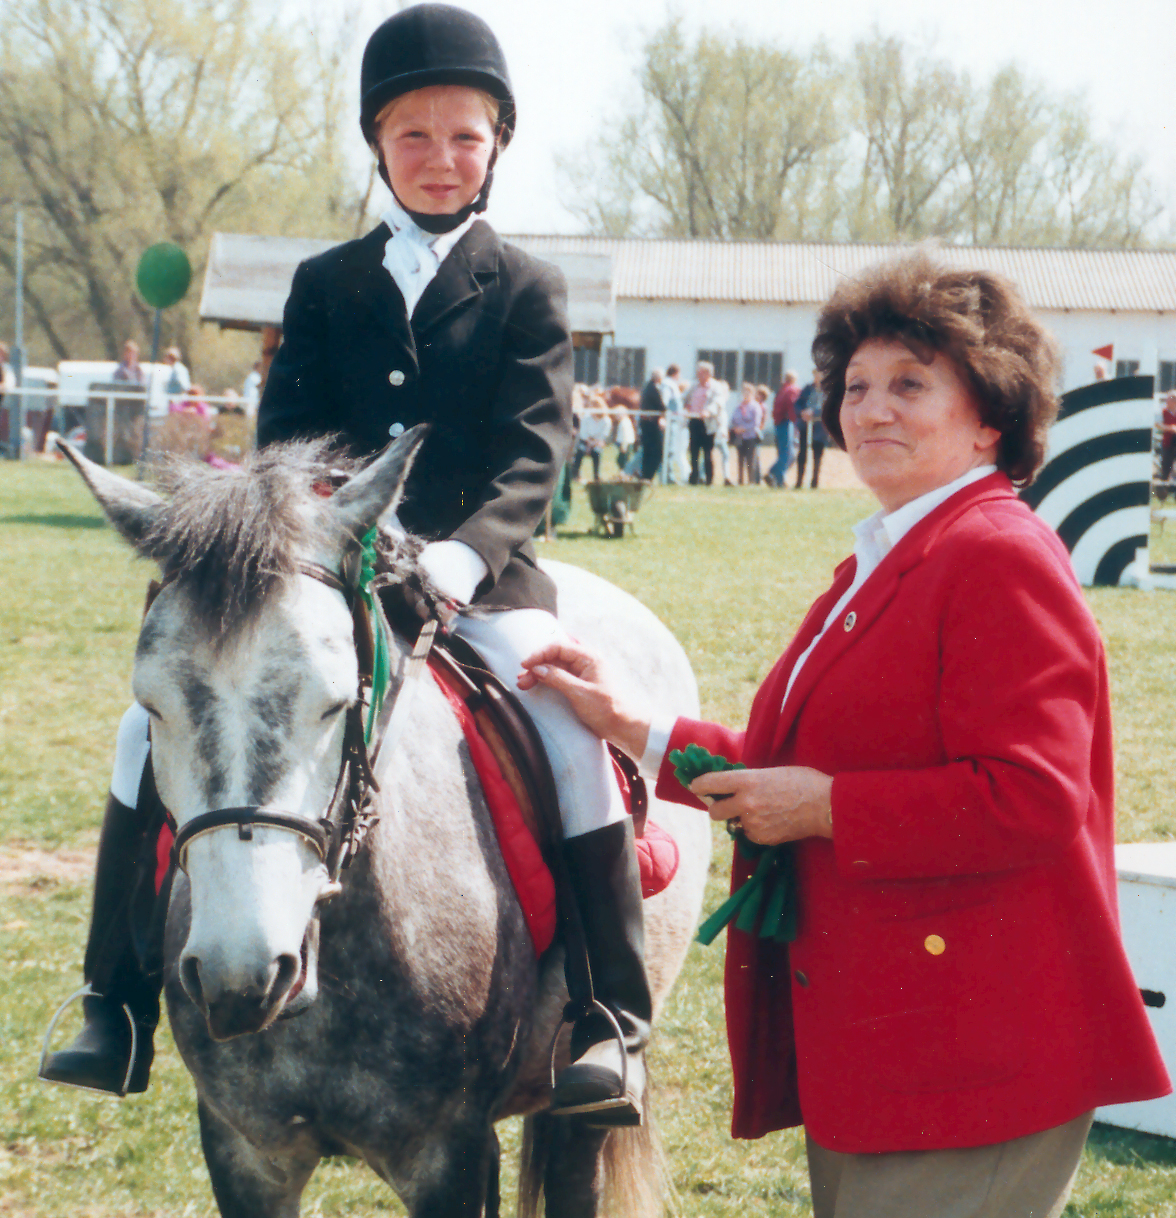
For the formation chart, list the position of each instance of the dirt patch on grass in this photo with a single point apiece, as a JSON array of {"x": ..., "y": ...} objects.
[{"x": 31, "y": 869}]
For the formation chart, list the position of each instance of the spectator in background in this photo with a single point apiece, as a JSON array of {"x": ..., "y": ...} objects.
[
  {"x": 747, "y": 420},
  {"x": 784, "y": 419},
  {"x": 624, "y": 434},
  {"x": 251, "y": 390},
  {"x": 1167, "y": 444},
  {"x": 676, "y": 439},
  {"x": 1100, "y": 370},
  {"x": 703, "y": 401},
  {"x": 7, "y": 375},
  {"x": 719, "y": 427},
  {"x": 192, "y": 403},
  {"x": 169, "y": 381},
  {"x": 233, "y": 404},
  {"x": 653, "y": 422},
  {"x": 130, "y": 371},
  {"x": 594, "y": 428},
  {"x": 762, "y": 395},
  {"x": 812, "y": 430},
  {"x": 178, "y": 380}
]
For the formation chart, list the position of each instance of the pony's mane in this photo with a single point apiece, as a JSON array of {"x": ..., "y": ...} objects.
[{"x": 231, "y": 538}]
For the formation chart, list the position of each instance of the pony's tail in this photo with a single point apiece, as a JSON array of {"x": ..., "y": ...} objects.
[
  {"x": 631, "y": 1171},
  {"x": 636, "y": 1179},
  {"x": 538, "y": 1136}
]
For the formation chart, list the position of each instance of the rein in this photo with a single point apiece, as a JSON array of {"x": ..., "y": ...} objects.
[{"x": 338, "y": 836}]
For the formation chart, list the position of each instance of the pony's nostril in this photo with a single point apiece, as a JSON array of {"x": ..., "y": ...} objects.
[
  {"x": 190, "y": 979},
  {"x": 289, "y": 968}
]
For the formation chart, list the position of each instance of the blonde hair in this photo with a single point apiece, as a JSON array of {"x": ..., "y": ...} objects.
[{"x": 490, "y": 104}]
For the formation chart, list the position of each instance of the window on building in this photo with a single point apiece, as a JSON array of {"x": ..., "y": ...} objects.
[
  {"x": 586, "y": 366},
  {"x": 764, "y": 368},
  {"x": 726, "y": 365},
  {"x": 1126, "y": 367},
  {"x": 1166, "y": 381},
  {"x": 625, "y": 366}
]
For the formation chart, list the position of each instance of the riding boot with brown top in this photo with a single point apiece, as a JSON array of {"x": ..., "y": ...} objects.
[
  {"x": 606, "y": 1079},
  {"x": 109, "y": 1054}
]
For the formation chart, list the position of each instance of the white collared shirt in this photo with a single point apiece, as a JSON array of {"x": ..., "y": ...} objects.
[
  {"x": 875, "y": 537},
  {"x": 412, "y": 256}
]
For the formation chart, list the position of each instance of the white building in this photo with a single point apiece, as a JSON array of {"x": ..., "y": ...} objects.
[{"x": 750, "y": 306}]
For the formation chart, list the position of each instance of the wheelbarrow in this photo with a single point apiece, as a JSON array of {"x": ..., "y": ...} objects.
[{"x": 615, "y": 504}]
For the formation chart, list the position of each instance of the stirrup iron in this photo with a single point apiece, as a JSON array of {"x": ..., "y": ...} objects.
[
  {"x": 619, "y": 1101},
  {"x": 87, "y": 991}
]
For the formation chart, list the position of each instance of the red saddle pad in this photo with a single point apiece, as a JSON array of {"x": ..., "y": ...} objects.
[{"x": 657, "y": 852}]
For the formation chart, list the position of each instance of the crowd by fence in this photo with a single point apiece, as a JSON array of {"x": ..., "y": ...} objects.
[
  {"x": 118, "y": 425},
  {"x": 123, "y": 425}
]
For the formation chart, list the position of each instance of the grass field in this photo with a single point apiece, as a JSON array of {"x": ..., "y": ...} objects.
[{"x": 730, "y": 570}]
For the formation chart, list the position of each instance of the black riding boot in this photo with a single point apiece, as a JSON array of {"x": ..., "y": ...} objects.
[
  {"x": 100, "y": 1056},
  {"x": 605, "y": 878}
]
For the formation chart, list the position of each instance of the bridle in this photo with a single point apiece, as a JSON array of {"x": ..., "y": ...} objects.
[{"x": 337, "y": 836}]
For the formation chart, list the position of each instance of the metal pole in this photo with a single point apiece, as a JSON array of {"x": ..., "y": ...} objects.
[
  {"x": 145, "y": 446},
  {"x": 18, "y": 343},
  {"x": 667, "y": 437}
]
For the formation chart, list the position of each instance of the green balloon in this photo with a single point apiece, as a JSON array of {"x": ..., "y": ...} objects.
[{"x": 164, "y": 275}]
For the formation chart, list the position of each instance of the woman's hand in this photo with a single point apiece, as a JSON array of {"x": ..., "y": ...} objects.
[
  {"x": 580, "y": 675},
  {"x": 771, "y": 806}
]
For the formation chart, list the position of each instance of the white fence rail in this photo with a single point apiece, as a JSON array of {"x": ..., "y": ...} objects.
[{"x": 18, "y": 402}]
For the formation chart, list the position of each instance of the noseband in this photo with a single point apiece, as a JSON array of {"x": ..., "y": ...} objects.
[{"x": 339, "y": 835}]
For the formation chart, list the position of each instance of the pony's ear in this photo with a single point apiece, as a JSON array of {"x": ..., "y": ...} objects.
[
  {"x": 377, "y": 490},
  {"x": 130, "y": 506}
]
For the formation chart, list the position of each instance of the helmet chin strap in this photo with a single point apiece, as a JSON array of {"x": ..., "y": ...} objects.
[{"x": 446, "y": 222}]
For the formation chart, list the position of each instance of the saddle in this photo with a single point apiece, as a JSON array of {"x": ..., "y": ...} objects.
[{"x": 516, "y": 777}]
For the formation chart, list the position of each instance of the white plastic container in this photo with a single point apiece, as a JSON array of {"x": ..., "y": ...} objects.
[{"x": 1147, "y": 905}]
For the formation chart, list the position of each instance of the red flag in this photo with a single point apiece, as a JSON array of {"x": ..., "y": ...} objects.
[{"x": 1107, "y": 352}]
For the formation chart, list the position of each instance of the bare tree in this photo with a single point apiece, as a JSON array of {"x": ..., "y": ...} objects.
[
  {"x": 126, "y": 122},
  {"x": 904, "y": 104},
  {"x": 723, "y": 129},
  {"x": 733, "y": 138}
]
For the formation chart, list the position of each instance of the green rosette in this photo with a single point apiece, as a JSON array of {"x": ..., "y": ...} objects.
[
  {"x": 381, "y": 663},
  {"x": 765, "y": 903}
]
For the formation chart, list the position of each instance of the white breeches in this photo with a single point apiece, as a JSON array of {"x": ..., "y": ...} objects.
[
  {"x": 588, "y": 794},
  {"x": 130, "y": 755}
]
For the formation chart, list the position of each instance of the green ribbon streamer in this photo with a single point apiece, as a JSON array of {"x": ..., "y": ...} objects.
[
  {"x": 381, "y": 664},
  {"x": 771, "y": 888}
]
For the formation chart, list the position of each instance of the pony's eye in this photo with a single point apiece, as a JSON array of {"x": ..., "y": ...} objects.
[{"x": 332, "y": 711}]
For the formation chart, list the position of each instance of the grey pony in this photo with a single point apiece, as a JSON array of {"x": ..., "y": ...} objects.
[{"x": 424, "y": 1017}]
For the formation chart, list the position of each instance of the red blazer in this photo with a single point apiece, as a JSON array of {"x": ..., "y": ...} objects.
[{"x": 958, "y": 978}]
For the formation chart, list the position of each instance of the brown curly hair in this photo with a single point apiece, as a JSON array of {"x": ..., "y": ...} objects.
[{"x": 977, "y": 319}]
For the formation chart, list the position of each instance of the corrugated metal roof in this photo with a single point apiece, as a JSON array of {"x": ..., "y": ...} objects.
[
  {"x": 592, "y": 297},
  {"x": 803, "y": 273},
  {"x": 248, "y": 279}
]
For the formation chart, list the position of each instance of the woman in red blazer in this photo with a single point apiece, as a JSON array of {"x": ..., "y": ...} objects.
[{"x": 937, "y": 743}]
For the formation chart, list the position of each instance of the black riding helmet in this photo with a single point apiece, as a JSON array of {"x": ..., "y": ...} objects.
[{"x": 435, "y": 44}]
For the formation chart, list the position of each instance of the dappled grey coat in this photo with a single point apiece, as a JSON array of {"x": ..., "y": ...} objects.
[{"x": 486, "y": 359}]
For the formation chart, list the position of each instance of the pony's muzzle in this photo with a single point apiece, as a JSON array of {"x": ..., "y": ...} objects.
[{"x": 240, "y": 1010}]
